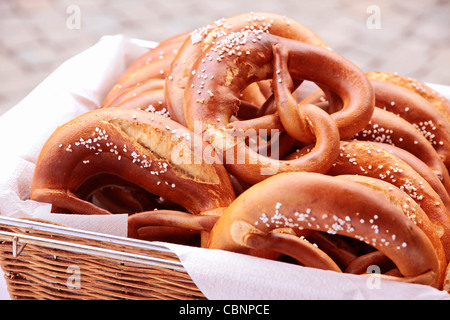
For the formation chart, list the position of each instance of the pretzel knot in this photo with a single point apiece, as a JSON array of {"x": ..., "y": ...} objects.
[
  {"x": 202, "y": 38},
  {"x": 281, "y": 226},
  {"x": 239, "y": 59}
]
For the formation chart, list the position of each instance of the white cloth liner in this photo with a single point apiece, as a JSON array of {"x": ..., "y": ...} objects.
[{"x": 79, "y": 85}]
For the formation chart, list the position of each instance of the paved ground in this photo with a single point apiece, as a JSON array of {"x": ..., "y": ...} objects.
[{"x": 409, "y": 37}]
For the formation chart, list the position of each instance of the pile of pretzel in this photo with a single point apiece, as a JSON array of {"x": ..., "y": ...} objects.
[{"x": 251, "y": 135}]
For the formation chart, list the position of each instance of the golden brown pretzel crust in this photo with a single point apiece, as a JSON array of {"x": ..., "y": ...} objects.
[
  {"x": 215, "y": 100},
  {"x": 404, "y": 119},
  {"x": 203, "y": 37},
  {"x": 440, "y": 102},
  {"x": 367, "y": 159},
  {"x": 418, "y": 104},
  {"x": 412, "y": 210},
  {"x": 350, "y": 209},
  {"x": 368, "y": 183},
  {"x": 387, "y": 127},
  {"x": 422, "y": 169},
  {"x": 136, "y": 146},
  {"x": 154, "y": 64}
]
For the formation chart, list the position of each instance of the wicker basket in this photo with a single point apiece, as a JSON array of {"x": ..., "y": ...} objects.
[{"x": 43, "y": 260}]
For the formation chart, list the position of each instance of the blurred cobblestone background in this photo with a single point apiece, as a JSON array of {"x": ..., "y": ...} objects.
[{"x": 409, "y": 37}]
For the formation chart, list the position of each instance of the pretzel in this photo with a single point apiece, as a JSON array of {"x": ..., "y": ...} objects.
[
  {"x": 148, "y": 96},
  {"x": 371, "y": 160},
  {"x": 147, "y": 150},
  {"x": 431, "y": 118},
  {"x": 422, "y": 169},
  {"x": 387, "y": 127},
  {"x": 438, "y": 101},
  {"x": 412, "y": 210},
  {"x": 367, "y": 159},
  {"x": 202, "y": 38},
  {"x": 153, "y": 64},
  {"x": 237, "y": 67},
  {"x": 350, "y": 209},
  {"x": 213, "y": 107}
]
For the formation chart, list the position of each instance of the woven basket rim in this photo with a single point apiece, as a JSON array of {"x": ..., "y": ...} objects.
[{"x": 152, "y": 271}]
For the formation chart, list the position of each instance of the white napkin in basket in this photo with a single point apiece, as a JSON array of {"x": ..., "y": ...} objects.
[
  {"x": 76, "y": 87},
  {"x": 79, "y": 85},
  {"x": 222, "y": 275}
]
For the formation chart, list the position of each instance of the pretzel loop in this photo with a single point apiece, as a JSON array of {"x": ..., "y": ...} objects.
[
  {"x": 290, "y": 113},
  {"x": 298, "y": 248},
  {"x": 351, "y": 209},
  {"x": 234, "y": 69},
  {"x": 202, "y": 38},
  {"x": 139, "y": 150}
]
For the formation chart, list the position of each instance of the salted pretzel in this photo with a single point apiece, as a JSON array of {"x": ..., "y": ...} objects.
[
  {"x": 312, "y": 201},
  {"x": 154, "y": 64},
  {"x": 412, "y": 210},
  {"x": 146, "y": 150},
  {"x": 438, "y": 101},
  {"x": 367, "y": 159},
  {"x": 373, "y": 160},
  {"x": 387, "y": 127},
  {"x": 202, "y": 38},
  {"x": 148, "y": 96},
  {"x": 249, "y": 55},
  {"x": 202, "y": 95},
  {"x": 419, "y": 105},
  {"x": 422, "y": 169}
]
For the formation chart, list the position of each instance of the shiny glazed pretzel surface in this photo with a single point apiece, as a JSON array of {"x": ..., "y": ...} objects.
[{"x": 251, "y": 135}]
